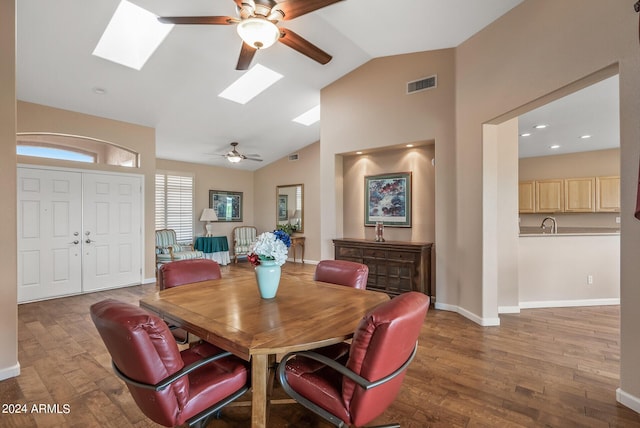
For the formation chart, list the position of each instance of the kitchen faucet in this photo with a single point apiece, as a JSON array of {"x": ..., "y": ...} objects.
[{"x": 554, "y": 225}]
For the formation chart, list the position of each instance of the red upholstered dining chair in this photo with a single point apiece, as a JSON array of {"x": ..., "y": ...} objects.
[
  {"x": 342, "y": 272},
  {"x": 170, "y": 387},
  {"x": 187, "y": 271},
  {"x": 354, "y": 384},
  {"x": 183, "y": 272}
]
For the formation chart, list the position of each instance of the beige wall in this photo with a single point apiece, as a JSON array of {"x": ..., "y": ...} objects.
[
  {"x": 306, "y": 170},
  {"x": 8, "y": 292},
  {"x": 416, "y": 160},
  {"x": 535, "y": 49},
  {"x": 207, "y": 178},
  {"x": 39, "y": 118}
]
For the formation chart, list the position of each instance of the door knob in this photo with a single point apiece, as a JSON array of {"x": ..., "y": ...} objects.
[
  {"x": 75, "y": 242},
  {"x": 88, "y": 241}
]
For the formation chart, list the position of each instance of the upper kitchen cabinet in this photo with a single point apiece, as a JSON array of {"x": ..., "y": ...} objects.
[
  {"x": 579, "y": 195},
  {"x": 608, "y": 194},
  {"x": 526, "y": 196},
  {"x": 549, "y": 196}
]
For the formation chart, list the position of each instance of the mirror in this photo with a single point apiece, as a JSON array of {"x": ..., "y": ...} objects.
[{"x": 290, "y": 207}]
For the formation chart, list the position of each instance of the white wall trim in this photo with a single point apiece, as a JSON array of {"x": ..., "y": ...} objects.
[
  {"x": 628, "y": 400},
  {"x": 9, "y": 372},
  {"x": 484, "y": 322},
  {"x": 508, "y": 309},
  {"x": 149, "y": 280},
  {"x": 569, "y": 303}
]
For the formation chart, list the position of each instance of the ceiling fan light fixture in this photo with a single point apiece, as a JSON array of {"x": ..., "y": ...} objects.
[
  {"x": 258, "y": 33},
  {"x": 234, "y": 158}
]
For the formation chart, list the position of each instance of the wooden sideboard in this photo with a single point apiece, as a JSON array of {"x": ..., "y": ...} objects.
[{"x": 395, "y": 267}]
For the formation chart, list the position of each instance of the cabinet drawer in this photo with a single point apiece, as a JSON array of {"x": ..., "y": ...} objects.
[
  {"x": 348, "y": 252},
  {"x": 377, "y": 254},
  {"x": 402, "y": 255}
]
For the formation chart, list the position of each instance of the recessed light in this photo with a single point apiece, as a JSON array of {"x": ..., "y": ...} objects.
[
  {"x": 358, "y": 153},
  {"x": 555, "y": 146},
  {"x": 99, "y": 91},
  {"x": 409, "y": 145},
  {"x": 526, "y": 134},
  {"x": 584, "y": 137},
  {"x": 541, "y": 126}
]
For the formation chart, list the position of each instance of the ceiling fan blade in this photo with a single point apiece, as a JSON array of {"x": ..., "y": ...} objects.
[
  {"x": 246, "y": 55},
  {"x": 249, "y": 2},
  {"x": 206, "y": 20},
  {"x": 252, "y": 159},
  {"x": 305, "y": 47},
  {"x": 294, "y": 8}
]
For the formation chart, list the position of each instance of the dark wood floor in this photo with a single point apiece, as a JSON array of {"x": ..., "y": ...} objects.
[{"x": 542, "y": 367}]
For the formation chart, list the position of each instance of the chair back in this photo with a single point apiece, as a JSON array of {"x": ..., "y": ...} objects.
[
  {"x": 243, "y": 237},
  {"x": 165, "y": 238},
  {"x": 342, "y": 272},
  {"x": 187, "y": 271},
  {"x": 142, "y": 347},
  {"x": 382, "y": 343}
]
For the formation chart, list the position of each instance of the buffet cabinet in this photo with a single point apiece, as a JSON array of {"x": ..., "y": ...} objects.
[{"x": 395, "y": 267}]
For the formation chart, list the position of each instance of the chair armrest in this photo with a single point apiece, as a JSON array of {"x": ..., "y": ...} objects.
[
  {"x": 364, "y": 383},
  {"x": 174, "y": 377}
]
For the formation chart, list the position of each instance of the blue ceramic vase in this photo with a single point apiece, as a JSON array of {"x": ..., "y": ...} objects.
[{"x": 268, "y": 278}]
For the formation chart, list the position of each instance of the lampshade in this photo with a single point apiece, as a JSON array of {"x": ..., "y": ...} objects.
[
  {"x": 258, "y": 33},
  {"x": 208, "y": 214}
]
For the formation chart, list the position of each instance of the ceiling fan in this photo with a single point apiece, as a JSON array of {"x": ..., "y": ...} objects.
[
  {"x": 257, "y": 27},
  {"x": 234, "y": 156}
]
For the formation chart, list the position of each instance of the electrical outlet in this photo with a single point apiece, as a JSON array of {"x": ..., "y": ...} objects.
[{"x": 589, "y": 279}]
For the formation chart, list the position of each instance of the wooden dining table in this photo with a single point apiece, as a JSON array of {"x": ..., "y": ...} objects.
[{"x": 230, "y": 314}]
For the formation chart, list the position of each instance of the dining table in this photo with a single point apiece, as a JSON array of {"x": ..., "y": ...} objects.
[{"x": 229, "y": 313}]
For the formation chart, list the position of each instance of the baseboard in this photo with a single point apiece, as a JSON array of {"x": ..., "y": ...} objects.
[
  {"x": 149, "y": 280},
  {"x": 508, "y": 309},
  {"x": 569, "y": 303},
  {"x": 628, "y": 400},
  {"x": 485, "y": 322},
  {"x": 9, "y": 372}
]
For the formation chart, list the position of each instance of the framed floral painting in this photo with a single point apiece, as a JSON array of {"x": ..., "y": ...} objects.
[{"x": 387, "y": 199}]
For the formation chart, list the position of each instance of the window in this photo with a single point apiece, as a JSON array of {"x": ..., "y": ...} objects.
[{"x": 174, "y": 204}]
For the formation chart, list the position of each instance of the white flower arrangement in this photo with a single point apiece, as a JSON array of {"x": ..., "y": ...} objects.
[{"x": 269, "y": 246}]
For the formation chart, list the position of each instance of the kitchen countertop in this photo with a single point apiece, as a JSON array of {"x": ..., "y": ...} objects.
[{"x": 527, "y": 231}]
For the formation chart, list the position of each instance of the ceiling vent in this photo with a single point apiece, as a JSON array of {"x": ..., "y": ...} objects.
[
  {"x": 422, "y": 84},
  {"x": 294, "y": 157}
]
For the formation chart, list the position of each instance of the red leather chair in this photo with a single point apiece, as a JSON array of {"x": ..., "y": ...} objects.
[
  {"x": 354, "y": 384},
  {"x": 170, "y": 387},
  {"x": 187, "y": 271},
  {"x": 342, "y": 272}
]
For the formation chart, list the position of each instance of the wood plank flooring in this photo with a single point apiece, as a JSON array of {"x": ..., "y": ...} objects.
[{"x": 540, "y": 368}]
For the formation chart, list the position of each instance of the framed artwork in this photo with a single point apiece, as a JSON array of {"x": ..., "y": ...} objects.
[
  {"x": 228, "y": 205},
  {"x": 387, "y": 199},
  {"x": 283, "y": 207}
]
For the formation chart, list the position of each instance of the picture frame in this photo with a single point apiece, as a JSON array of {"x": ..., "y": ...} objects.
[
  {"x": 387, "y": 199},
  {"x": 283, "y": 207},
  {"x": 228, "y": 205}
]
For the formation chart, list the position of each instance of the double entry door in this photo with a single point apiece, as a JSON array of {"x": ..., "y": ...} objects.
[{"x": 77, "y": 232}]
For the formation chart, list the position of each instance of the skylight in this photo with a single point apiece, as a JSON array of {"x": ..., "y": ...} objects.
[
  {"x": 133, "y": 34},
  {"x": 309, "y": 117},
  {"x": 252, "y": 83}
]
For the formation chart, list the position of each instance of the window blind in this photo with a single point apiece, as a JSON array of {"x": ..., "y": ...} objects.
[{"x": 174, "y": 204}]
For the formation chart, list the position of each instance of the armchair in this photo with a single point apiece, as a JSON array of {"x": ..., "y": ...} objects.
[
  {"x": 342, "y": 272},
  {"x": 243, "y": 237},
  {"x": 168, "y": 249},
  {"x": 354, "y": 384},
  {"x": 170, "y": 387}
]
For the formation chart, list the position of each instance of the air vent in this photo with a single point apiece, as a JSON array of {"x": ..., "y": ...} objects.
[
  {"x": 421, "y": 85},
  {"x": 293, "y": 157}
]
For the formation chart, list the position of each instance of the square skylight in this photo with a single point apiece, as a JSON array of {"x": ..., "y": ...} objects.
[
  {"x": 250, "y": 84},
  {"x": 309, "y": 117},
  {"x": 133, "y": 34}
]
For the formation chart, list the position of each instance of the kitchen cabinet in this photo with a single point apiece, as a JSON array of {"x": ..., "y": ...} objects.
[
  {"x": 526, "y": 196},
  {"x": 608, "y": 194},
  {"x": 579, "y": 195},
  {"x": 549, "y": 196}
]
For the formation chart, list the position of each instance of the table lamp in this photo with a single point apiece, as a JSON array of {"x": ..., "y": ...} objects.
[{"x": 208, "y": 215}]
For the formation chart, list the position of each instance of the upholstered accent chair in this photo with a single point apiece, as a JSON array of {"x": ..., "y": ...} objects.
[
  {"x": 243, "y": 237},
  {"x": 168, "y": 249},
  {"x": 342, "y": 272},
  {"x": 170, "y": 387},
  {"x": 354, "y": 384}
]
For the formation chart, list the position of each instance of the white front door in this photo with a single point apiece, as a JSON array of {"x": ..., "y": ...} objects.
[
  {"x": 112, "y": 231},
  {"x": 49, "y": 228}
]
